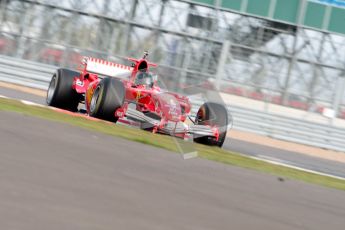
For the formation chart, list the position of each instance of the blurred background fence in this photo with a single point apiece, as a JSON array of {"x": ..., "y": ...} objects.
[{"x": 289, "y": 53}]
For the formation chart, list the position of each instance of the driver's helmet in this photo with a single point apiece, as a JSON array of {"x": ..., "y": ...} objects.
[{"x": 144, "y": 78}]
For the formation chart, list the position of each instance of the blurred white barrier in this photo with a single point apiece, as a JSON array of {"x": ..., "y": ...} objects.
[
  {"x": 38, "y": 75},
  {"x": 28, "y": 73}
]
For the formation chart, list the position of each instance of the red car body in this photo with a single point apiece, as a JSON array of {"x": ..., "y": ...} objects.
[{"x": 145, "y": 103}]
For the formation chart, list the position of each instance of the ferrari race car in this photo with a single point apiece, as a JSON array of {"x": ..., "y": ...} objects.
[{"x": 112, "y": 91}]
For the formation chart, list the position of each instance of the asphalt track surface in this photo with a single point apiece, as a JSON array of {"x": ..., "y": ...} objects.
[
  {"x": 248, "y": 148},
  {"x": 56, "y": 176}
]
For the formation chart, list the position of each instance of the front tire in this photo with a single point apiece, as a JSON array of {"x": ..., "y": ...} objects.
[
  {"x": 212, "y": 114},
  {"x": 60, "y": 93},
  {"x": 108, "y": 96}
]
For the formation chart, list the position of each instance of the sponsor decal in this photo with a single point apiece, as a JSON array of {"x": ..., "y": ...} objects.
[
  {"x": 138, "y": 95},
  {"x": 119, "y": 113},
  {"x": 79, "y": 82}
]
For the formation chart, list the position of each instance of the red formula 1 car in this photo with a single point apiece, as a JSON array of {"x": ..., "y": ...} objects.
[{"x": 113, "y": 91}]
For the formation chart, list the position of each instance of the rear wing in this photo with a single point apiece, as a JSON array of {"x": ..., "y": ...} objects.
[{"x": 111, "y": 69}]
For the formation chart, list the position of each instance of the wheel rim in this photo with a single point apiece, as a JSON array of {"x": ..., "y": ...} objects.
[
  {"x": 94, "y": 100},
  {"x": 51, "y": 89}
]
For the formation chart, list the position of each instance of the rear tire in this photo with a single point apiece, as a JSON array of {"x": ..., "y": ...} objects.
[
  {"x": 212, "y": 114},
  {"x": 108, "y": 96},
  {"x": 60, "y": 93}
]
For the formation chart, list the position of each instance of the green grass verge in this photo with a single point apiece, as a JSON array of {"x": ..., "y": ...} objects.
[{"x": 166, "y": 142}]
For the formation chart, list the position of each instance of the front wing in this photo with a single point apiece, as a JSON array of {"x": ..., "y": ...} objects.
[{"x": 171, "y": 128}]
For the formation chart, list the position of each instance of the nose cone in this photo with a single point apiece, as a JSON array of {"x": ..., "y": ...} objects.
[{"x": 170, "y": 107}]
